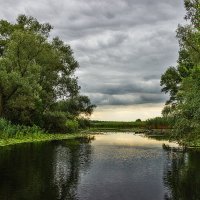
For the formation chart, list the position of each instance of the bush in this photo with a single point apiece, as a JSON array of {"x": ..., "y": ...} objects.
[
  {"x": 8, "y": 130},
  {"x": 84, "y": 123},
  {"x": 159, "y": 123},
  {"x": 72, "y": 126},
  {"x": 55, "y": 122}
]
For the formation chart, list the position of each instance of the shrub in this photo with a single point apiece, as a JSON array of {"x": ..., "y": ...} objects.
[
  {"x": 8, "y": 130},
  {"x": 159, "y": 123},
  {"x": 72, "y": 126},
  {"x": 84, "y": 123},
  {"x": 55, "y": 122}
]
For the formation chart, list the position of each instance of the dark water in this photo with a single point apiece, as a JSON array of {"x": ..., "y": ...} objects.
[{"x": 110, "y": 167}]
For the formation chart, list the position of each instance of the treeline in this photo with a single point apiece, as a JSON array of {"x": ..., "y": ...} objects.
[
  {"x": 116, "y": 124},
  {"x": 37, "y": 82},
  {"x": 154, "y": 123},
  {"x": 182, "y": 82}
]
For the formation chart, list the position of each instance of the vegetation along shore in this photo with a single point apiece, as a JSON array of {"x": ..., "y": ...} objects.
[{"x": 40, "y": 94}]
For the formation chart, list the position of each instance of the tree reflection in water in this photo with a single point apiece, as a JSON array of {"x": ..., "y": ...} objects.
[
  {"x": 43, "y": 170},
  {"x": 52, "y": 171},
  {"x": 69, "y": 159},
  {"x": 182, "y": 175}
]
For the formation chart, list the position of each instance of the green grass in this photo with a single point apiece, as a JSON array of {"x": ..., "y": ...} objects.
[
  {"x": 39, "y": 138},
  {"x": 15, "y": 134},
  {"x": 116, "y": 125}
]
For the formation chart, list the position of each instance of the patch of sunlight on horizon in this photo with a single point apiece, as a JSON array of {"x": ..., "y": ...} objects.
[{"x": 127, "y": 113}]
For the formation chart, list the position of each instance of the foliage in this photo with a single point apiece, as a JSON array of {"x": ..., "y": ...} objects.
[
  {"x": 117, "y": 125},
  {"x": 159, "y": 123},
  {"x": 76, "y": 106},
  {"x": 8, "y": 130},
  {"x": 37, "y": 81},
  {"x": 138, "y": 120},
  {"x": 83, "y": 122},
  {"x": 14, "y": 134},
  {"x": 182, "y": 81},
  {"x": 187, "y": 112},
  {"x": 55, "y": 122},
  {"x": 72, "y": 126},
  {"x": 154, "y": 123}
]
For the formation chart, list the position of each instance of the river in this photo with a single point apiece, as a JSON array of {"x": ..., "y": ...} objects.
[{"x": 110, "y": 166}]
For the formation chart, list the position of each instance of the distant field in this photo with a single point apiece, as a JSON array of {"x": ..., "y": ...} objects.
[
  {"x": 150, "y": 124},
  {"x": 117, "y": 125}
]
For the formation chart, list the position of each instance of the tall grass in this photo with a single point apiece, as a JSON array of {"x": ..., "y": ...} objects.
[
  {"x": 8, "y": 130},
  {"x": 14, "y": 134},
  {"x": 159, "y": 123}
]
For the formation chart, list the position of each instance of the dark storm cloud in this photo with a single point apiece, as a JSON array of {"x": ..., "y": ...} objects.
[
  {"x": 123, "y": 46},
  {"x": 151, "y": 87},
  {"x": 138, "y": 98}
]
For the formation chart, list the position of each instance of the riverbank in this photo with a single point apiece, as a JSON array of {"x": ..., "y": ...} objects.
[
  {"x": 16, "y": 134},
  {"x": 158, "y": 134},
  {"x": 42, "y": 137},
  {"x": 167, "y": 135},
  {"x": 39, "y": 138},
  {"x": 135, "y": 130}
]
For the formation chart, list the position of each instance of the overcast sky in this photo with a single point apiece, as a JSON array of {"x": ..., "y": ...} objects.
[{"x": 122, "y": 46}]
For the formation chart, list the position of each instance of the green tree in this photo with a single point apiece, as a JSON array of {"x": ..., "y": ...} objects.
[
  {"x": 187, "y": 112},
  {"x": 182, "y": 82},
  {"x": 36, "y": 73}
]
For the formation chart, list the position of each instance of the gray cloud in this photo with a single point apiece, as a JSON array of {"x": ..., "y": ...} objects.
[
  {"x": 123, "y": 46},
  {"x": 138, "y": 98},
  {"x": 149, "y": 87}
]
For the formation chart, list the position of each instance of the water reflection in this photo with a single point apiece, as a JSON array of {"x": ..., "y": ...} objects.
[
  {"x": 43, "y": 171},
  {"x": 70, "y": 159},
  {"x": 182, "y": 175},
  {"x": 113, "y": 166}
]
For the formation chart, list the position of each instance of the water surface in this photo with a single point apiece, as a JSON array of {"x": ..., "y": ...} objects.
[{"x": 112, "y": 166}]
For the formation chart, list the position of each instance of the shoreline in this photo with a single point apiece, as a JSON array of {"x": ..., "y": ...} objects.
[
  {"x": 162, "y": 134},
  {"x": 39, "y": 138}
]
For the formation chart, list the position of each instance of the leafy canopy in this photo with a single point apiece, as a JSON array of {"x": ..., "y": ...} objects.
[
  {"x": 37, "y": 74},
  {"x": 182, "y": 82}
]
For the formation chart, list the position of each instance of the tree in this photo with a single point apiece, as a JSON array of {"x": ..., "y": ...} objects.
[
  {"x": 138, "y": 120},
  {"x": 182, "y": 82},
  {"x": 76, "y": 106},
  {"x": 187, "y": 112},
  {"x": 36, "y": 73}
]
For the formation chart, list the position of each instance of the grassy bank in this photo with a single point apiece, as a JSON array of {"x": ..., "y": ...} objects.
[
  {"x": 131, "y": 130},
  {"x": 39, "y": 138},
  {"x": 157, "y": 128},
  {"x": 15, "y": 134}
]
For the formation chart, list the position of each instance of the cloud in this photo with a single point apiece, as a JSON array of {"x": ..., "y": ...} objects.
[
  {"x": 123, "y": 46},
  {"x": 128, "y": 99}
]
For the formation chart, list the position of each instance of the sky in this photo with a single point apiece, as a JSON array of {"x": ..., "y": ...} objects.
[{"x": 122, "y": 46}]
